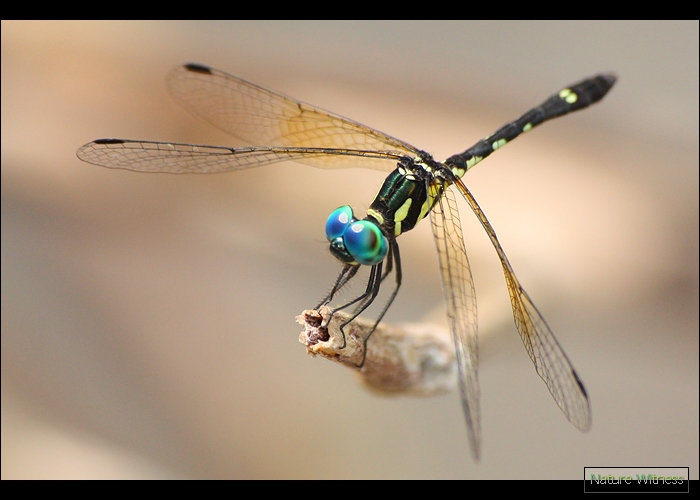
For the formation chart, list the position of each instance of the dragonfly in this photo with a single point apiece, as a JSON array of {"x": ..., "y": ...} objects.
[{"x": 281, "y": 128}]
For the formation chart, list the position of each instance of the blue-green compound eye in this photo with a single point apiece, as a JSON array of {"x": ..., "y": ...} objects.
[
  {"x": 366, "y": 243},
  {"x": 338, "y": 222}
]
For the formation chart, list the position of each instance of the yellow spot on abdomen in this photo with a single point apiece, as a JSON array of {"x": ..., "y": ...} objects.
[
  {"x": 459, "y": 172},
  {"x": 473, "y": 161},
  {"x": 498, "y": 144},
  {"x": 527, "y": 127},
  {"x": 568, "y": 96}
]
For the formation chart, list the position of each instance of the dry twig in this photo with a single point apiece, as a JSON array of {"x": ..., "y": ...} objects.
[{"x": 415, "y": 359}]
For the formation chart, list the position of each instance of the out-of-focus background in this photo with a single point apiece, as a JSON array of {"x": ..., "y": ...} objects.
[{"x": 148, "y": 320}]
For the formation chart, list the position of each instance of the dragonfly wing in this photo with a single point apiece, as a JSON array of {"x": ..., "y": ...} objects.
[
  {"x": 460, "y": 297},
  {"x": 260, "y": 116},
  {"x": 551, "y": 363},
  {"x": 168, "y": 157}
]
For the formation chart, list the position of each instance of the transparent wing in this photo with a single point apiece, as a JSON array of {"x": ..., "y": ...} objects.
[
  {"x": 460, "y": 296},
  {"x": 262, "y": 117},
  {"x": 150, "y": 156},
  {"x": 545, "y": 352}
]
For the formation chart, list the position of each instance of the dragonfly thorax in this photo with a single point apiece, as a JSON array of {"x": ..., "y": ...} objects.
[{"x": 408, "y": 194}]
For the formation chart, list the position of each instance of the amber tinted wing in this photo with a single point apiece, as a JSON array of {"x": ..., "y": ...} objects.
[
  {"x": 460, "y": 296},
  {"x": 262, "y": 117},
  {"x": 175, "y": 158},
  {"x": 549, "y": 358}
]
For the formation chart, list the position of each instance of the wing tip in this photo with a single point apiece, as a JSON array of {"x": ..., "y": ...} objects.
[
  {"x": 197, "y": 68},
  {"x": 109, "y": 141}
]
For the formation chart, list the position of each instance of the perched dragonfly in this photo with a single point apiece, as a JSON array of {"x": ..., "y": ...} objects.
[{"x": 416, "y": 186}]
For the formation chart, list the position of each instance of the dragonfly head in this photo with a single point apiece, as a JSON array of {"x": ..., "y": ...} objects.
[{"x": 355, "y": 241}]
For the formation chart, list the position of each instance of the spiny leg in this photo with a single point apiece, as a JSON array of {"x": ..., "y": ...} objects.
[
  {"x": 366, "y": 298},
  {"x": 387, "y": 270},
  {"x": 393, "y": 255},
  {"x": 346, "y": 274}
]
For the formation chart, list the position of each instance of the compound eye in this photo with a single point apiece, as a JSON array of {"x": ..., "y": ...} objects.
[
  {"x": 366, "y": 243},
  {"x": 338, "y": 222}
]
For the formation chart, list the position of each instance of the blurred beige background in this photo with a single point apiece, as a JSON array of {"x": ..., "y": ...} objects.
[{"x": 148, "y": 320}]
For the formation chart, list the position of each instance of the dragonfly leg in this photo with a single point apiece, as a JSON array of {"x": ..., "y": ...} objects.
[
  {"x": 365, "y": 299},
  {"x": 370, "y": 294},
  {"x": 346, "y": 274},
  {"x": 389, "y": 267},
  {"x": 376, "y": 277},
  {"x": 390, "y": 259},
  {"x": 394, "y": 255}
]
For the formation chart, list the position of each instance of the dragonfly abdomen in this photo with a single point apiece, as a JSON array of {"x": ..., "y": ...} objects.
[{"x": 573, "y": 98}]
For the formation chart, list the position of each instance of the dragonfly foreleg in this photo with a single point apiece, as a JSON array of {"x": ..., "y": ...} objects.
[
  {"x": 394, "y": 255},
  {"x": 346, "y": 274},
  {"x": 365, "y": 298}
]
